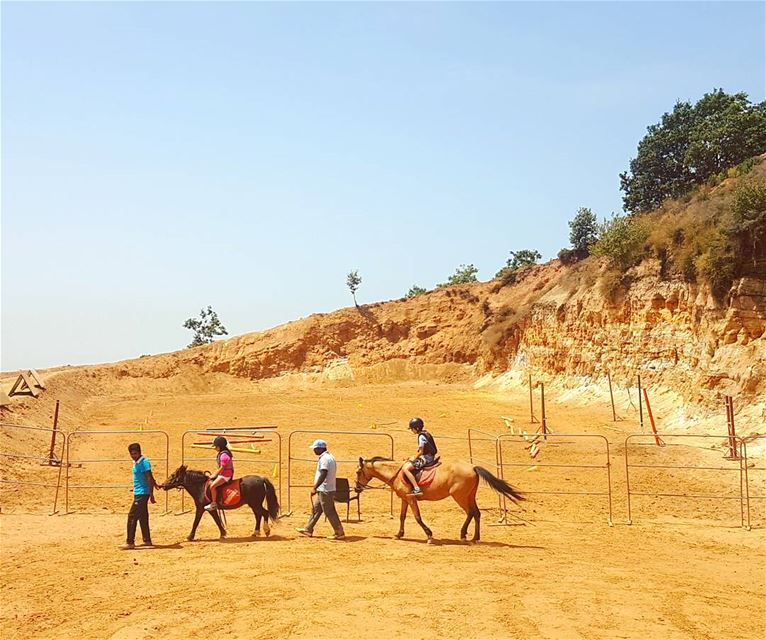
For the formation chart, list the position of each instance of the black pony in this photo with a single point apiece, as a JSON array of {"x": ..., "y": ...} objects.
[{"x": 254, "y": 489}]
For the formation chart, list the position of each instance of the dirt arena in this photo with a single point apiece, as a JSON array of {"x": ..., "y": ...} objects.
[{"x": 684, "y": 569}]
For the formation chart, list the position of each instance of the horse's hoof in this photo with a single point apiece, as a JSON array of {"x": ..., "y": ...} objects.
[
  {"x": 268, "y": 533},
  {"x": 430, "y": 541},
  {"x": 398, "y": 536},
  {"x": 256, "y": 534},
  {"x": 190, "y": 538}
]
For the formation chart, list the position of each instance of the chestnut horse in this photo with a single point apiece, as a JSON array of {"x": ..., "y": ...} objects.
[{"x": 457, "y": 479}]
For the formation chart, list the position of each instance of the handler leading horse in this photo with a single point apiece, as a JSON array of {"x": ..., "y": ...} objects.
[{"x": 459, "y": 480}]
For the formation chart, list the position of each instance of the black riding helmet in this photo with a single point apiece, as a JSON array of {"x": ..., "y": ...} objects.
[
  {"x": 220, "y": 442},
  {"x": 417, "y": 424}
]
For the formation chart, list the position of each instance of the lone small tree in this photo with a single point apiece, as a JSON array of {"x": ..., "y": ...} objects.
[
  {"x": 353, "y": 280},
  {"x": 583, "y": 231},
  {"x": 205, "y": 328},
  {"x": 464, "y": 274}
]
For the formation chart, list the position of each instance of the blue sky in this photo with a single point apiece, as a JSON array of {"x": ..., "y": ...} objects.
[{"x": 160, "y": 157}]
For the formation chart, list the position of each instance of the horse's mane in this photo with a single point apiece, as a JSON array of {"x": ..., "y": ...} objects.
[{"x": 195, "y": 476}]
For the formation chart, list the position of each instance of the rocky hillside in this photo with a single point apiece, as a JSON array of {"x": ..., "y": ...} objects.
[{"x": 553, "y": 320}]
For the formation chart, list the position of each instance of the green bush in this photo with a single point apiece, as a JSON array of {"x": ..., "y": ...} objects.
[
  {"x": 717, "y": 265},
  {"x": 518, "y": 259},
  {"x": 622, "y": 240},
  {"x": 415, "y": 290},
  {"x": 570, "y": 256},
  {"x": 464, "y": 274},
  {"x": 749, "y": 215}
]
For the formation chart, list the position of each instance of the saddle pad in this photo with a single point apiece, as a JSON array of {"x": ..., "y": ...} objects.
[
  {"x": 229, "y": 495},
  {"x": 427, "y": 476}
]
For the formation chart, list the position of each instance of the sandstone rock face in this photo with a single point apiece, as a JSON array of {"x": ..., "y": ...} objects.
[{"x": 552, "y": 320}]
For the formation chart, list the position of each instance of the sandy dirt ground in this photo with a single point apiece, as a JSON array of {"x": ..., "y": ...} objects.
[{"x": 684, "y": 569}]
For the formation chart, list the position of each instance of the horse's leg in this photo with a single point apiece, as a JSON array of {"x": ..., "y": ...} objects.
[
  {"x": 217, "y": 518},
  {"x": 465, "y": 504},
  {"x": 197, "y": 517},
  {"x": 402, "y": 518},
  {"x": 416, "y": 513},
  {"x": 263, "y": 512},
  {"x": 257, "y": 514},
  {"x": 477, "y": 522},
  {"x": 265, "y": 516},
  {"x": 476, "y": 513}
]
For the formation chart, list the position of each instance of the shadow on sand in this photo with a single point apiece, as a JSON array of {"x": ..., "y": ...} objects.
[{"x": 463, "y": 543}]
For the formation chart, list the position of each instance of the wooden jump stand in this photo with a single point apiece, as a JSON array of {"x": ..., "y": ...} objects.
[{"x": 29, "y": 383}]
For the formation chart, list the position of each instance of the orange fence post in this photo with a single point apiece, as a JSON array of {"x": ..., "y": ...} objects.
[{"x": 657, "y": 438}]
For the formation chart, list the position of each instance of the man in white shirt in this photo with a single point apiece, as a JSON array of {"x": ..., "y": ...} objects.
[{"x": 323, "y": 494}]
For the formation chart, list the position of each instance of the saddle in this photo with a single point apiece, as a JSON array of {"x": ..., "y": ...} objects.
[
  {"x": 426, "y": 475},
  {"x": 229, "y": 495}
]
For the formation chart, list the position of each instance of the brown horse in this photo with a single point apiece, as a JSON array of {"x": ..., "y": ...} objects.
[{"x": 459, "y": 480}]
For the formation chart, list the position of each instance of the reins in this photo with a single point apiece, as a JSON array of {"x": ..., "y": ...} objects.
[{"x": 388, "y": 483}]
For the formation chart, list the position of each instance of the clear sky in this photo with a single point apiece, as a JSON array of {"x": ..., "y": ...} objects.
[{"x": 160, "y": 157}]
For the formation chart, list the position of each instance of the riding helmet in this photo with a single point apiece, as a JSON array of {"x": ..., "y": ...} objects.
[
  {"x": 221, "y": 442},
  {"x": 417, "y": 424}
]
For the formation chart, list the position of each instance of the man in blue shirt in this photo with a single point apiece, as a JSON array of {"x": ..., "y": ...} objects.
[{"x": 143, "y": 492}]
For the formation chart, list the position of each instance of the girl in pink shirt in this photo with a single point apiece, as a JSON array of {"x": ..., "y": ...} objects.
[{"x": 225, "y": 471}]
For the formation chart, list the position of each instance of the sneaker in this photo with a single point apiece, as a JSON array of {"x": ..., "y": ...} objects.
[
  {"x": 335, "y": 536},
  {"x": 305, "y": 532},
  {"x": 210, "y": 507},
  {"x": 416, "y": 492},
  {"x": 127, "y": 546},
  {"x": 147, "y": 545}
]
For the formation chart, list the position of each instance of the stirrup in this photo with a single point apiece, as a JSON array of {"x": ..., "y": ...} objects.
[{"x": 416, "y": 492}]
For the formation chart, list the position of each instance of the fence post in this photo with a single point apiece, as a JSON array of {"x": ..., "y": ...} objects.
[
  {"x": 733, "y": 452},
  {"x": 532, "y": 418},
  {"x": 611, "y": 397},
  {"x": 53, "y": 434},
  {"x": 657, "y": 438},
  {"x": 640, "y": 406}
]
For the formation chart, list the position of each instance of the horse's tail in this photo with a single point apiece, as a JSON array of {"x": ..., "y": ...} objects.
[
  {"x": 271, "y": 499},
  {"x": 501, "y": 486}
]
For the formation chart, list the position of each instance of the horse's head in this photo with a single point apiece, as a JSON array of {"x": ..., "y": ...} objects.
[
  {"x": 176, "y": 480},
  {"x": 367, "y": 471},
  {"x": 362, "y": 478}
]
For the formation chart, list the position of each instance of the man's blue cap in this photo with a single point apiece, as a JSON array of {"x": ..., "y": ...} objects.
[{"x": 319, "y": 444}]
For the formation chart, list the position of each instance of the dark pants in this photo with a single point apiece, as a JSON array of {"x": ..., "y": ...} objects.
[
  {"x": 325, "y": 503},
  {"x": 139, "y": 514}
]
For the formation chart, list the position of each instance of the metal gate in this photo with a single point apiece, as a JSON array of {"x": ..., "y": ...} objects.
[
  {"x": 122, "y": 461},
  {"x": 55, "y": 469},
  {"x": 594, "y": 476},
  {"x": 247, "y": 457},
  {"x": 660, "y": 454},
  {"x": 389, "y": 440}
]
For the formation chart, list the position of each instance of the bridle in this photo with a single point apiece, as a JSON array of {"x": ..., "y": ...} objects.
[{"x": 389, "y": 483}]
